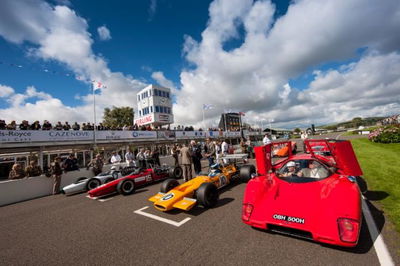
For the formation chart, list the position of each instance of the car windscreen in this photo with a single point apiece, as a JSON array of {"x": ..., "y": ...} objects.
[{"x": 303, "y": 171}]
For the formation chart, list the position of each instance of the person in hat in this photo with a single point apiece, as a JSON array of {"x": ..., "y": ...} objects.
[{"x": 290, "y": 169}]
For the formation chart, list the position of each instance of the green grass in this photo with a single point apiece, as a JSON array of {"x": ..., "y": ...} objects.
[{"x": 381, "y": 167}]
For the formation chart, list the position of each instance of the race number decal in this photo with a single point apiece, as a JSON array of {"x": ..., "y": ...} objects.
[
  {"x": 222, "y": 180},
  {"x": 168, "y": 196},
  {"x": 148, "y": 178}
]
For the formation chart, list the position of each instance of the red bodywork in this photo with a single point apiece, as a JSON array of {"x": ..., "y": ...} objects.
[
  {"x": 326, "y": 210},
  {"x": 144, "y": 177}
]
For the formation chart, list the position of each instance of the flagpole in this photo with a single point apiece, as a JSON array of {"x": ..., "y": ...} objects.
[
  {"x": 240, "y": 125},
  {"x": 94, "y": 117},
  {"x": 204, "y": 125}
]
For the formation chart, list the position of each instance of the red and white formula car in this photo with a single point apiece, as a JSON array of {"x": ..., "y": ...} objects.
[{"x": 126, "y": 185}]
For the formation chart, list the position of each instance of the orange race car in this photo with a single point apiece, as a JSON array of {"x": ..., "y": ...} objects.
[
  {"x": 201, "y": 189},
  {"x": 282, "y": 149}
]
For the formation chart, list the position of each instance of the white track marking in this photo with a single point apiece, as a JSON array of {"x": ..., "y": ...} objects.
[
  {"x": 380, "y": 247},
  {"x": 164, "y": 220},
  {"x": 89, "y": 197},
  {"x": 104, "y": 200}
]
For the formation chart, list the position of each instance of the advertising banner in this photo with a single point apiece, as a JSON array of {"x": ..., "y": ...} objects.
[
  {"x": 190, "y": 134},
  {"x": 166, "y": 134},
  {"x": 9, "y": 136}
]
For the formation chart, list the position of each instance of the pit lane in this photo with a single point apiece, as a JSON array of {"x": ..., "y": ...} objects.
[
  {"x": 60, "y": 230},
  {"x": 76, "y": 230}
]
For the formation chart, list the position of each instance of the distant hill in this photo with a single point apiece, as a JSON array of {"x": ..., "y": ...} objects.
[{"x": 354, "y": 123}]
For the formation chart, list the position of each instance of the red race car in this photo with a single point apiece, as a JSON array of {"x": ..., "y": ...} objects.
[
  {"x": 313, "y": 196},
  {"x": 126, "y": 185}
]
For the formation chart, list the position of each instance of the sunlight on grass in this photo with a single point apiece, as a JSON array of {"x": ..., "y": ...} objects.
[{"x": 381, "y": 166}]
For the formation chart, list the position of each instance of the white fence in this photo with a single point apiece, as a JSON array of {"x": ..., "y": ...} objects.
[{"x": 12, "y": 191}]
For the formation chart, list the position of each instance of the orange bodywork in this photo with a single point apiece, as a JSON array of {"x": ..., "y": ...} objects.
[{"x": 182, "y": 196}]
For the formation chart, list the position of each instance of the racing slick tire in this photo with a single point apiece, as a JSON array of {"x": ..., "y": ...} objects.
[
  {"x": 168, "y": 184},
  {"x": 246, "y": 172},
  {"x": 175, "y": 172},
  {"x": 92, "y": 183},
  {"x": 126, "y": 187},
  {"x": 79, "y": 180},
  {"x": 207, "y": 195}
]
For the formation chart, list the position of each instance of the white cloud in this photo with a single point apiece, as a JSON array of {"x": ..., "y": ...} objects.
[
  {"x": 58, "y": 33},
  {"x": 159, "y": 77},
  {"x": 5, "y": 91},
  {"x": 104, "y": 33},
  {"x": 253, "y": 76}
]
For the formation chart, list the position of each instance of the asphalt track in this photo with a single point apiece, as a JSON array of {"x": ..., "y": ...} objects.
[{"x": 60, "y": 230}]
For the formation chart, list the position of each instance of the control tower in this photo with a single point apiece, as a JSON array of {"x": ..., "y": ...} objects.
[{"x": 154, "y": 106}]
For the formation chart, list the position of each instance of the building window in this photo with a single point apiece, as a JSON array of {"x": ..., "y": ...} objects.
[
  {"x": 140, "y": 113},
  {"x": 157, "y": 109},
  {"x": 151, "y": 109},
  {"x": 150, "y": 92},
  {"x": 167, "y": 95},
  {"x": 138, "y": 97}
]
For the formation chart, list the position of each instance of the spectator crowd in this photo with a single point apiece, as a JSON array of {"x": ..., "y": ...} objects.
[{"x": 46, "y": 125}]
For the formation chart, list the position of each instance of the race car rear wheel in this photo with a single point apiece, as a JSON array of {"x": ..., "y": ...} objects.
[
  {"x": 176, "y": 172},
  {"x": 168, "y": 184},
  {"x": 246, "y": 172},
  {"x": 207, "y": 195},
  {"x": 92, "y": 183},
  {"x": 126, "y": 187}
]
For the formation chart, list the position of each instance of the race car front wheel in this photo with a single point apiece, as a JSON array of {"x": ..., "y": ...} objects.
[
  {"x": 246, "y": 172},
  {"x": 168, "y": 184},
  {"x": 207, "y": 195},
  {"x": 92, "y": 184},
  {"x": 176, "y": 172},
  {"x": 126, "y": 187}
]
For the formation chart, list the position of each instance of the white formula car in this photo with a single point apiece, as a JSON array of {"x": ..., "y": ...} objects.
[{"x": 83, "y": 184}]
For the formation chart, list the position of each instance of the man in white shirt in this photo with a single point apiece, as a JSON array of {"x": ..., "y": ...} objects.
[
  {"x": 115, "y": 158},
  {"x": 224, "y": 150},
  {"x": 130, "y": 158},
  {"x": 266, "y": 140}
]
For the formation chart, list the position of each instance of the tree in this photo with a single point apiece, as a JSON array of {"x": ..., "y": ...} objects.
[
  {"x": 297, "y": 130},
  {"x": 357, "y": 121},
  {"x": 118, "y": 117}
]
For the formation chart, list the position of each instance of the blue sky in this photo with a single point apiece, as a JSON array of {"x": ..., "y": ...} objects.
[
  {"x": 276, "y": 60},
  {"x": 142, "y": 41}
]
